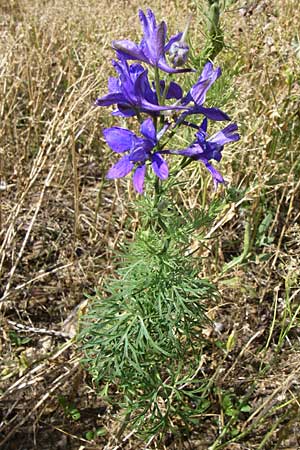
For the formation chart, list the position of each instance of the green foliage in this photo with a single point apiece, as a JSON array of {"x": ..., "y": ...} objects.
[
  {"x": 94, "y": 434},
  {"x": 143, "y": 332},
  {"x": 18, "y": 340},
  {"x": 69, "y": 409},
  {"x": 232, "y": 406},
  {"x": 215, "y": 41},
  {"x": 213, "y": 32}
]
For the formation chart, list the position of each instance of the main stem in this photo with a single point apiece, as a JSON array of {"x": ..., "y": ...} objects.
[{"x": 157, "y": 85}]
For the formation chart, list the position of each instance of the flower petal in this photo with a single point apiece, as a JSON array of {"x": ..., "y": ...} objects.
[
  {"x": 174, "y": 38},
  {"x": 157, "y": 44},
  {"x": 128, "y": 50},
  {"x": 147, "y": 107},
  {"x": 206, "y": 79},
  {"x": 148, "y": 23},
  {"x": 226, "y": 135},
  {"x": 203, "y": 126},
  {"x": 143, "y": 89},
  {"x": 110, "y": 99},
  {"x": 162, "y": 64},
  {"x": 211, "y": 113},
  {"x": 138, "y": 178},
  {"x": 135, "y": 70},
  {"x": 113, "y": 85},
  {"x": 153, "y": 42},
  {"x": 159, "y": 166},
  {"x": 174, "y": 91},
  {"x": 217, "y": 177},
  {"x": 207, "y": 71},
  {"x": 148, "y": 130},
  {"x": 192, "y": 151},
  {"x": 119, "y": 139},
  {"x": 163, "y": 130},
  {"x": 147, "y": 97},
  {"x": 124, "y": 110},
  {"x": 141, "y": 150},
  {"x": 210, "y": 151},
  {"x": 121, "y": 168}
]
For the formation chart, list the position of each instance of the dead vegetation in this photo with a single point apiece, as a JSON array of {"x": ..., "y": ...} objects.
[{"x": 60, "y": 220}]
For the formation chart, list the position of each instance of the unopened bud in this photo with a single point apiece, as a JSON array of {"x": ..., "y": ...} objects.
[
  {"x": 179, "y": 53},
  {"x": 179, "y": 50}
]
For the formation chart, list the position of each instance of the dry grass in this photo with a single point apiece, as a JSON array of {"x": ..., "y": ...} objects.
[{"x": 59, "y": 221}]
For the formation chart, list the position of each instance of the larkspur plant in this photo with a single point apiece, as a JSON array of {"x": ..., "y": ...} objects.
[{"x": 142, "y": 336}]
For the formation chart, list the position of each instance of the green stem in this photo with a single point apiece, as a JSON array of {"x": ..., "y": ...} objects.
[
  {"x": 165, "y": 92},
  {"x": 157, "y": 192},
  {"x": 185, "y": 162},
  {"x": 172, "y": 133},
  {"x": 157, "y": 86},
  {"x": 219, "y": 438},
  {"x": 246, "y": 250}
]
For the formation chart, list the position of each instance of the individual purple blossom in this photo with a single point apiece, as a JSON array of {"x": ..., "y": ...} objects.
[
  {"x": 153, "y": 47},
  {"x": 132, "y": 93},
  {"x": 197, "y": 95},
  {"x": 140, "y": 150},
  {"x": 206, "y": 148}
]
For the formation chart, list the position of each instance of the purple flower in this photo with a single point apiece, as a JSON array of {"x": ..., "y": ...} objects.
[
  {"x": 152, "y": 47},
  {"x": 132, "y": 93},
  {"x": 197, "y": 95},
  {"x": 140, "y": 151},
  {"x": 204, "y": 149}
]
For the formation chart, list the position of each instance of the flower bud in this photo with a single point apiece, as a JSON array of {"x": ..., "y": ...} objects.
[
  {"x": 179, "y": 50},
  {"x": 179, "y": 53}
]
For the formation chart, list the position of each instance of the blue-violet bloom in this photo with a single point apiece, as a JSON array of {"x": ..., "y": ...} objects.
[
  {"x": 132, "y": 93},
  {"x": 206, "y": 148},
  {"x": 140, "y": 150},
  {"x": 197, "y": 95},
  {"x": 153, "y": 47}
]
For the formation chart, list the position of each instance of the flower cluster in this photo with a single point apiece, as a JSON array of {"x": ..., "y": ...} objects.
[{"x": 135, "y": 95}]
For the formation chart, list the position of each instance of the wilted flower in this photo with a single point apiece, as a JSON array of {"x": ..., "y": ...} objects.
[
  {"x": 140, "y": 151},
  {"x": 152, "y": 48},
  {"x": 206, "y": 148},
  {"x": 132, "y": 92}
]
